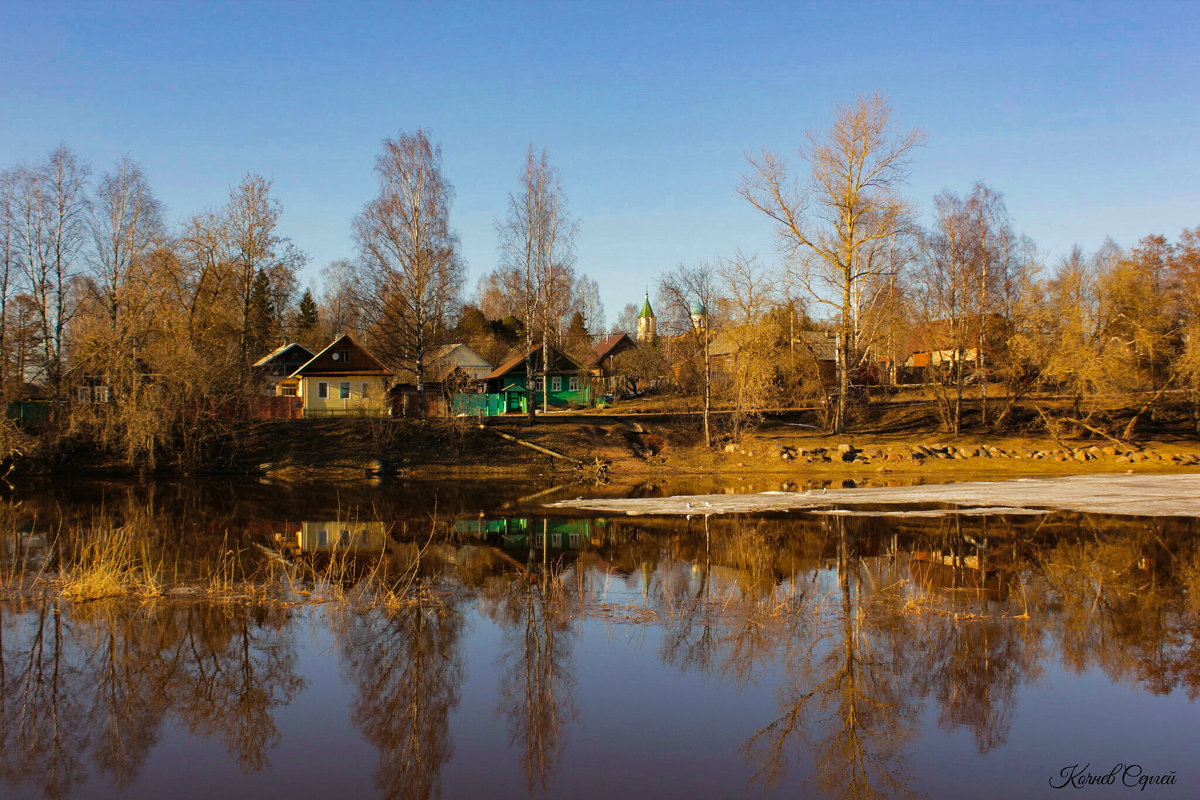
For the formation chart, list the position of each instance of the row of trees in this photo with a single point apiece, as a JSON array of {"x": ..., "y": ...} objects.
[
  {"x": 97, "y": 289},
  {"x": 968, "y": 293}
]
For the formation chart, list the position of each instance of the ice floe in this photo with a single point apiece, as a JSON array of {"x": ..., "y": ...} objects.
[{"x": 1129, "y": 495}]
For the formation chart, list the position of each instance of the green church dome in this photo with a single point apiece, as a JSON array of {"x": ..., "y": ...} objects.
[{"x": 647, "y": 311}]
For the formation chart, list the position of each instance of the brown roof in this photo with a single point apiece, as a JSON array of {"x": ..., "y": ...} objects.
[
  {"x": 343, "y": 357},
  {"x": 614, "y": 345},
  {"x": 562, "y": 363},
  {"x": 299, "y": 352}
]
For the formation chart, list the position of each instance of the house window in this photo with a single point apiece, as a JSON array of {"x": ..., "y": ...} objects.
[
  {"x": 287, "y": 391},
  {"x": 366, "y": 390},
  {"x": 344, "y": 538},
  {"x": 538, "y": 383},
  {"x": 84, "y": 394},
  {"x": 322, "y": 538},
  {"x": 322, "y": 389},
  {"x": 556, "y": 384},
  {"x": 344, "y": 390},
  {"x": 574, "y": 540},
  {"x": 101, "y": 394},
  {"x": 573, "y": 383}
]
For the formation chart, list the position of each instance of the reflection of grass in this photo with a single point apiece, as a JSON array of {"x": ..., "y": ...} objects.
[{"x": 131, "y": 559}]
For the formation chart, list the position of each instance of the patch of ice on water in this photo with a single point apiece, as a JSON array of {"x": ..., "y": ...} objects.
[{"x": 1158, "y": 495}]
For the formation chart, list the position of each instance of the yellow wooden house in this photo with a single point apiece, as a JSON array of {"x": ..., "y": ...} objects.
[{"x": 341, "y": 379}]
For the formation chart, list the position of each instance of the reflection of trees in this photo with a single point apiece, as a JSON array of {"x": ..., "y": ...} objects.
[
  {"x": 407, "y": 669},
  {"x": 536, "y": 684},
  {"x": 41, "y": 715},
  {"x": 973, "y": 671},
  {"x": 855, "y": 684},
  {"x": 977, "y": 654},
  {"x": 1117, "y": 596},
  {"x": 241, "y": 667},
  {"x": 537, "y": 610},
  {"x": 95, "y": 682}
]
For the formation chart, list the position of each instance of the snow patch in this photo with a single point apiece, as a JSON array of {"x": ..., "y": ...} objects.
[{"x": 1126, "y": 495}]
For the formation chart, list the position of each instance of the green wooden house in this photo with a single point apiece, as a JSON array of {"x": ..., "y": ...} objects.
[{"x": 562, "y": 383}]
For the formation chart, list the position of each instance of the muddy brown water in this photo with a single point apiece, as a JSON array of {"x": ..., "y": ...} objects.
[{"x": 782, "y": 655}]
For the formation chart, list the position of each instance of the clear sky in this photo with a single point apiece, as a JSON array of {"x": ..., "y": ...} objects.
[{"x": 1085, "y": 115}]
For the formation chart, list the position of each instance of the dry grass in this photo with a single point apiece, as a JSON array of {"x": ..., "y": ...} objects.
[{"x": 111, "y": 562}]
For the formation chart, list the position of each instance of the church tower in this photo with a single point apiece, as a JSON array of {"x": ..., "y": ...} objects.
[{"x": 647, "y": 325}]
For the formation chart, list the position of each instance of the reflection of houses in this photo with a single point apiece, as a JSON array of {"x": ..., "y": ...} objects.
[
  {"x": 522, "y": 533},
  {"x": 328, "y": 535},
  {"x": 558, "y": 384},
  {"x": 341, "y": 379}
]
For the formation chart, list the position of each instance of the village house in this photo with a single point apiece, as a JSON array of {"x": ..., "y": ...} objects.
[
  {"x": 341, "y": 379},
  {"x": 602, "y": 363},
  {"x": 279, "y": 364},
  {"x": 559, "y": 384},
  {"x": 452, "y": 369}
]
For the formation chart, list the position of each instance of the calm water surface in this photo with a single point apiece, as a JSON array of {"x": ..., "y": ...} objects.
[{"x": 410, "y": 641}]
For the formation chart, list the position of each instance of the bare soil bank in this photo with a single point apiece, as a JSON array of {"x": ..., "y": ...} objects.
[
  {"x": 901, "y": 439},
  {"x": 671, "y": 446}
]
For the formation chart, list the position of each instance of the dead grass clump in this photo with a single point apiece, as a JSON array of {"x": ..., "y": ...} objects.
[{"x": 109, "y": 562}]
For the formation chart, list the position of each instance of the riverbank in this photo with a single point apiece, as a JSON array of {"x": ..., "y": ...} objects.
[{"x": 593, "y": 445}]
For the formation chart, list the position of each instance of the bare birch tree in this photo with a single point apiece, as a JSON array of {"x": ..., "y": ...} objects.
[
  {"x": 51, "y": 208},
  {"x": 126, "y": 225},
  {"x": 537, "y": 248},
  {"x": 8, "y": 272},
  {"x": 255, "y": 248},
  {"x": 833, "y": 234},
  {"x": 409, "y": 254}
]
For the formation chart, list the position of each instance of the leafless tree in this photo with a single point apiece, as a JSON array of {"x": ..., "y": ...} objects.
[
  {"x": 251, "y": 219},
  {"x": 339, "y": 304},
  {"x": 537, "y": 248},
  {"x": 126, "y": 225},
  {"x": 51, "y": 212},
  {"x": 835, "y": 233},
  {"x": 409, "y": 254},
  {"x": 9, "y": 253},
  {"x": 689, "y": 296}
]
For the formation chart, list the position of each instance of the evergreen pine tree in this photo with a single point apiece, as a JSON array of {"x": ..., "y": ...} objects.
[
  {"x": 263, "y": 322},
  {"x": 306, "y": 317}
]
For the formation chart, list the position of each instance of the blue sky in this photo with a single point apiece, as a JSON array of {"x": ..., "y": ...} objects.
[{"x": 1085, "y": 115}]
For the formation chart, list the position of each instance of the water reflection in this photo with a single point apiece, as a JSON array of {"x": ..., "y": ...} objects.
[
  {"x": 865, "y": 628},
  {"x": 96, "y": 682}
]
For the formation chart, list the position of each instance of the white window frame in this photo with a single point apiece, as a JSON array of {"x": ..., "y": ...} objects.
[
  {"x": 83, "y": 394},
  {"x": 538, "y": 383},
  {"x": 573, "y": 383},
  {"x": 344, "y": 390},
  {"x": 366, "y": 389},
  {"x": 556, "y": 383},
  {"x": 100, "y": 394}
]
